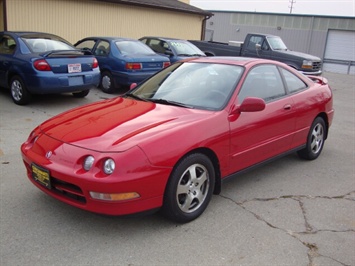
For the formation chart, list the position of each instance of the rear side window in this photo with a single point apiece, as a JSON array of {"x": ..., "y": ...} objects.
[
  {"x": 7, "y": 44},
  {"x": 86, "y": 45},
  {"x": 293, "y": 83},
  {"x": 102, "y": 49}
]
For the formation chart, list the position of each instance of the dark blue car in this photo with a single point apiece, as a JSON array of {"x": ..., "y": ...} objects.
[
  {"x": 42, "y": 63},
  {"x": 174, "y": 49},
  {"x": 122, "y": 61}
]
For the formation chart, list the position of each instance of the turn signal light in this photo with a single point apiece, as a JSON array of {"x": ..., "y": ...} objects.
[{"x": 114, "y": 196}]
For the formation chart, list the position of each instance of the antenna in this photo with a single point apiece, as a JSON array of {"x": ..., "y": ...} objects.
[{"x": 291, "y": 6}]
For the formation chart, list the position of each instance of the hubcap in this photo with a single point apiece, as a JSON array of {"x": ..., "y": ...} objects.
[
  {"x": 317, "y": 138},
  {"x": 192, "y": 188},
  {"x": 16, "y": 90},
  {"x": 106, "y": 82}
]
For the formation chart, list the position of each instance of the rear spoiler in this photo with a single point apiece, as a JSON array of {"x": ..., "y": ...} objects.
[
  {"x": 319, "y": 79},
  {"x": 64, "y": 53}
]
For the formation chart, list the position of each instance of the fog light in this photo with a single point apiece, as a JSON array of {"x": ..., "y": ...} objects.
[
  {"x": 109, "y": 166},
  {"x": 114, "y": 196},
  {"x": 88, "y": 162}
]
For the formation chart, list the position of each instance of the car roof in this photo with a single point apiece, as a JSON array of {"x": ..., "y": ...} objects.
[
  {"x": 163, "y": 38},
  {"x": 110, "y": 38},
  {"x": 22, "y": 33},
  {"x": 232, "y": 60}
]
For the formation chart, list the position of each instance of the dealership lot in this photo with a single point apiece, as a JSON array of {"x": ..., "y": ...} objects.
[{"x": 289, "y": 212}]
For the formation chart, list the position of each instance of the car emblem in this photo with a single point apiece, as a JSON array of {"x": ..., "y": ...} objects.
[{"x": 48, "y": 154}]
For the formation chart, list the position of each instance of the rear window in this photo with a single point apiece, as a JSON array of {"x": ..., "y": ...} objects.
[
  {"x": 45, "y": 44},
  {"x": 133, "y": 48}
]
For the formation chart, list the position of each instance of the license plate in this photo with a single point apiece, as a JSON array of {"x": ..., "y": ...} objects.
[
  {"x": 74, "y": 68},
  {"x": 41, "y": 176}
]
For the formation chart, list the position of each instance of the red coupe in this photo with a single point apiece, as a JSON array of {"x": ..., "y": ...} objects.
[{"x": 171, "y": 141}]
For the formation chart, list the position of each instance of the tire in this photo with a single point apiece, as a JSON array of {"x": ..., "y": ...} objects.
[
  {"x": 315, "y": 140},
  {"x": 106, "y": 83},
  {"x": 81, "y": 94},
  {"x": 189, "y": 189},
  {"x": 19, "y": 93}
]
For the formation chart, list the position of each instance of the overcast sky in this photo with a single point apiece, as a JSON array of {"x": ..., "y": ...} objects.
[{"x": 310, "y": 7}]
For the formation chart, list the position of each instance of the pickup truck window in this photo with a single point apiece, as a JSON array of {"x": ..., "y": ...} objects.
[
  {"x": 263, "y": 82},
  {"x": 276, "y": 43},
  {"x": 293, "y": 83}
]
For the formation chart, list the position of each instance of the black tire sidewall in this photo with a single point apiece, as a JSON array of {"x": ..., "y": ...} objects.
[
  {"x": 107, "y": 74},
  {"x": 170, "y": 206}
]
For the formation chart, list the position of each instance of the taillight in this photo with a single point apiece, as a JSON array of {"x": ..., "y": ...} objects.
[
  {"x": 133, "y": 66},
  {"x": 166, "y": 64},
  {"x": 42, "y": 65},
  {"x": 95, "y": 64}
]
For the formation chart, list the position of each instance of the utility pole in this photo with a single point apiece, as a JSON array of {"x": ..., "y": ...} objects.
[{"x": 291, "y": 5}]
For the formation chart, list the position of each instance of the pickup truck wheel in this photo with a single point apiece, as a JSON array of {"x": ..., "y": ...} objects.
[
  {"x": 106, "y": 83},
  {"x": 315, "y": 140},
  {"x": 19, "y": 93},
  {"x": 189, "y": 189}
]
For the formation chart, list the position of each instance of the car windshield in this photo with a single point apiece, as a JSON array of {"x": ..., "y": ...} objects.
[
  {"x": 128, "y": 48},
  {"x": 185, "y": 48},
  {"x": 276, "y": 43},
  {"x": 194, "y": 85},
  {"x": 46, "y": 44}
]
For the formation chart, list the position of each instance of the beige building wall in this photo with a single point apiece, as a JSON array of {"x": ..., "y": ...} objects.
[
  {"x": 76, "y": 19},
  {"x": 1, "y": 15}
]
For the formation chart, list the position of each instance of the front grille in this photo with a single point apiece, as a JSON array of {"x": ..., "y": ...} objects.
[
  {"x": 68, "y": 190},
  {"x": 317, "y": 65}
]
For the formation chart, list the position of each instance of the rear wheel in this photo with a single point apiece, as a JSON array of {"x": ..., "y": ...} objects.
[
  {"x": 315, "y": 140},
  {"x": 81, "y": 94},
  {"x": 19, "y": 92},
  {"x": 106, "y": 83},
  {"x": 189, "y": 189}
]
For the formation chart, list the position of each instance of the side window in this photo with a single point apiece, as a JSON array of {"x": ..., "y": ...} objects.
[
  {"x": 7, "y": 45},
  {"x": 86, "y": 45},
  {"x": 144, "y": 41},
  {"x": 263, "y": 82},
  {"x": 157, "y": 46},
  {"x": 102, "y": 49},
  {"x": 254, "y": 40},
  {"x": 293, "y": 83}
]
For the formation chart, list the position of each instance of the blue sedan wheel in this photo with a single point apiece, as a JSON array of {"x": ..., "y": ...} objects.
[
  {"x": 19, "y": 93},
  {"x": 106, "y": 83}
]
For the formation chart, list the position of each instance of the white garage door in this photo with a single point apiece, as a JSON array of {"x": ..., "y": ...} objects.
[{"x": 339, "y": 54}]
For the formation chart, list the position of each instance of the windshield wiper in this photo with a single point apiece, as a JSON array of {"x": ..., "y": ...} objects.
[
  {"x": 168, "y": 102},
  {"x": 135, "y": 97}
]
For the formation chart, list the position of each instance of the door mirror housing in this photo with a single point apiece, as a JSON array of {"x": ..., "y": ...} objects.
[{"x": 251, "y": 104}]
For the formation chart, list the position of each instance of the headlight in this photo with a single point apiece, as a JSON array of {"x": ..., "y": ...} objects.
[
  {"x": 307, "y": 64},
  {"x": 88, "y": 162},
  {"x": 109, "y": 166}
]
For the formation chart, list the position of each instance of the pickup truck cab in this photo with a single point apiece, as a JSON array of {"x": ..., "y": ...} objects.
[{"x": 264, "y": 46}]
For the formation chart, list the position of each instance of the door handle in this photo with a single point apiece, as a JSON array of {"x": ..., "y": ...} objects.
[{"x": 287, "y": 107}]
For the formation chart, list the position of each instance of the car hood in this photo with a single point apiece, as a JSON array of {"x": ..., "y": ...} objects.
[
  {"x": 299, "y": 54},
  {"x": 117, "y": 124}
]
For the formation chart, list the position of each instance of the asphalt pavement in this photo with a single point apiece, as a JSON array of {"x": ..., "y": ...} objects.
[{"x": 288, "y": 212}]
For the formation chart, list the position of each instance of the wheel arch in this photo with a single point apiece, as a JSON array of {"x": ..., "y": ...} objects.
[
  {"x": 214, "y": 159},
  {"x": 326, "y": 121}
]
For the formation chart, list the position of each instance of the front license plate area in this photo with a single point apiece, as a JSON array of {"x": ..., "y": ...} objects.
[{"x": 41, "y": 176}]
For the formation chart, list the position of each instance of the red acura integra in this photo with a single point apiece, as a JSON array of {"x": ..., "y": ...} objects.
[{"x": 171, "y": 141}]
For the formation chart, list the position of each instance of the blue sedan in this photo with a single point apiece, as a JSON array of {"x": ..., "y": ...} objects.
[
  {"x": 122, "y": 61},
  {"x": 41, "y": 63},
  {"x": 174, "y": 49}
]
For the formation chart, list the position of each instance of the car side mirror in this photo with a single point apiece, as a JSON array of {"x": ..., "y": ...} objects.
[
  {"x": 132, "y": 86},
  {"x": 258, "y": 47},
  {"x": 251, "y": 104}
]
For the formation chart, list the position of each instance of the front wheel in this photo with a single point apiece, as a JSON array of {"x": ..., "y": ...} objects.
[
  {"x": 19, "y": 93},
  {"x": 189, "y": 189},
  {"x": 315, "y": 140}
]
